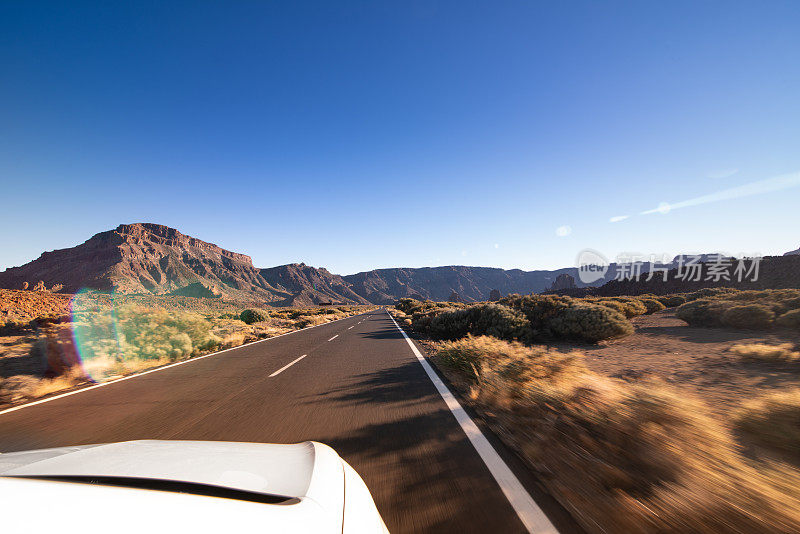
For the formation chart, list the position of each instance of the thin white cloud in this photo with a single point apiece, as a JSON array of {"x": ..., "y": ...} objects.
[
  {"x": 777, "y": 183},
  {"x": 563, "y": 231},
  {"x": 618, "y": 218},
  {"x": 722, "y": 173},
  {"x": 496, "y": 245}
]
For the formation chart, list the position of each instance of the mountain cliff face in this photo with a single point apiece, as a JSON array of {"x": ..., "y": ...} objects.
[
  {"x": 151, "y": 258},
  {"x": 384, "y": 286},
  {"x": 310, "y": 285}
]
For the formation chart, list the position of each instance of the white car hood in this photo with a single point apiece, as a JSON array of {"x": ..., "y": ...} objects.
[
  {"x": 282, "y": 470},
  {"x": 308, "y": 479}
]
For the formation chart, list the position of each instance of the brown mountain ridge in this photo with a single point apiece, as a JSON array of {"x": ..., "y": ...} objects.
[
  {"x": 156, "y": 259},
  {"x": 152, "y": 258}
]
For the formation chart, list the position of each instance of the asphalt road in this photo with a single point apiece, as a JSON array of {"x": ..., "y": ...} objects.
[{"x": 362, "y": 392}]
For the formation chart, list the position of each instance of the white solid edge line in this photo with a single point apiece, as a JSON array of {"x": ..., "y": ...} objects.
[
  {"x": 190, "y": 360},
  {"x": 528, "y": 511},
  {"x": 334, "y": 337},
  {"x": 285, "y": 367}
]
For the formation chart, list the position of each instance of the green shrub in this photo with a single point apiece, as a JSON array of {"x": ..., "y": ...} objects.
[
  {"x": 252, "y": 316},
  {"x": 484, "y": 319},
  {"x": 790, "y": 319},
  {"x": 652, "y": 305},
  {"x": 748, "y": 317},
  {"x": 588, "y": 322}
]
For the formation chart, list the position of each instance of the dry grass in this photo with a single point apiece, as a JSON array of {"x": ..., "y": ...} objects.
[
  {"x": 767, "y": 353},
  {"x": 773, "y": 421},
  {"x": 20, "y": 388},
  {"x": 622, "y": 458}
]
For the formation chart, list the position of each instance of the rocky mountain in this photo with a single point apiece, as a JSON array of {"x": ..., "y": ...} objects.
[
  {"x": 310, "y": 284},
  {"x": 793, "y": 253},
  {"x": 151, "y": 258},
  {"x": 384, "y": 286}
]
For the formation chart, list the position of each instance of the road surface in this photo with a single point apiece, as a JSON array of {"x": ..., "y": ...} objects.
[{"x": 353, "y": 384}]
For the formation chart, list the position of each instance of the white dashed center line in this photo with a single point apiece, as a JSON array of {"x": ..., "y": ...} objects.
[
  {"x": 334, "y": 337},
  {"x": 282, "y": 369}
]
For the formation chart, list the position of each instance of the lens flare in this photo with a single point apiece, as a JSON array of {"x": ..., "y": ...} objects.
[{"x": 96, "y": 333}]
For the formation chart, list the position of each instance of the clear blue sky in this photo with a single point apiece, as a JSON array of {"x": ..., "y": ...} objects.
[{"x": 358, "y": 135}]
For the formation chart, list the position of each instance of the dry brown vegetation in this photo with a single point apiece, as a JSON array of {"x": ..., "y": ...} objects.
[
  {"x": 764, "y": 352},
  {"x": 54, "y": 342},
  {"x": 667, "y": 427},
  {"x": 621, "y": 457}
]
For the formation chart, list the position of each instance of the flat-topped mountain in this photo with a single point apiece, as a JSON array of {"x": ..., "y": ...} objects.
[
  {"x": 151, "y": 258},
  {"x": 142, "y": 257}
]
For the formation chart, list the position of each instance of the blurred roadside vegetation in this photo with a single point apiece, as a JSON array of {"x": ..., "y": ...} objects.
[
  {"x": 640, "y": 457},
  {"x": 105, "y": 339}
]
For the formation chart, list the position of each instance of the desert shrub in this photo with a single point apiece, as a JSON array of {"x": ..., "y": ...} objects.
[
  {"x": 250, "y": 316},
  {"x": 539, "y": 309},
  {"x": 748, "y": 317},
  {"x": 313, "y": 319},
  {"x": 671, "y": 301},
  {"x": 763, "y": 352},
  {"x": 652, "y": 305},
  {"x": 412, "y": 306},
  {"x": 614, "y": 453},
  {"x": 590, "y": 323},
  {"x": 483, "y": 319},
  {"x": 612, "y": 304},
  {"x": 421, "y": 320},
  {"x": 773, "y": 420},
  {"x": 708, "y": 292},
  {"x": 790, "y": 319},
  {"x": 633, "y": 307},
  {"x": 450, "y": 324},
  {"x": 628, "y": 306},
  {"x": 778, "y": 300},
  {"x": 702, "y": 312},
  {"x": 552, "y": 316},
  {"x": 399, "y": 314},
  {"x": 751, "y": 309}
]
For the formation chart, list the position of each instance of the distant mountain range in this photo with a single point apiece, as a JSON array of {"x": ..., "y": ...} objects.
[{"x": 151, "y": 258}]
